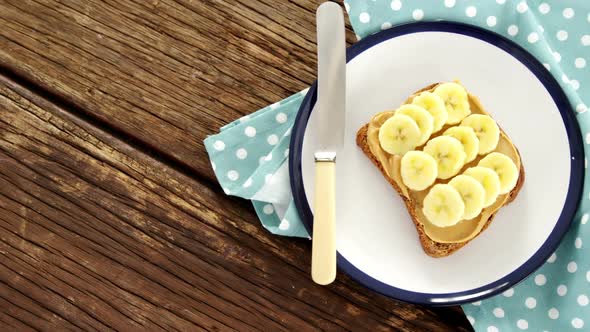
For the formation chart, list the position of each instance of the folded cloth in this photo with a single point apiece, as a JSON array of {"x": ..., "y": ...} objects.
[{"x": 249, "y": 155}]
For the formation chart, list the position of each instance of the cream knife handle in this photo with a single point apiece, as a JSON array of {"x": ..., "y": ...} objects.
[{"x": 323, "y": 251}]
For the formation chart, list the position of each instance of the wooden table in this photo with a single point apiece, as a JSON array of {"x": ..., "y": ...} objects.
[{"x": 110, "y": 215}]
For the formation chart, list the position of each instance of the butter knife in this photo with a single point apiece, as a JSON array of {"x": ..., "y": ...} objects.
[{"x": 330, "y": 106}]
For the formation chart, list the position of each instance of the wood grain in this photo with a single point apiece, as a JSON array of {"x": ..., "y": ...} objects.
[
  {"x": 96, "y": 236},
  {"x": 110, "y": 217},
  {"x": 167, "y": 72}
]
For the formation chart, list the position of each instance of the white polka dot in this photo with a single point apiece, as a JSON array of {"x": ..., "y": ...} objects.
[
  {"x": 364, "y": 17},
  {"x": 577, "y": 323},
  {"x": 219, "y": 145},
  {"x": 347, "y": 7},
  {"x": 547, "y": 66},
  {"x": 233, "y": 175},
  {"x": 449, "y": 3},
  {"x": 552, "y": 258},
  {"x": 564, "y": 78},
  {"x": 575, "y": 84},
  {"x": 275, "y": 106},
  {"x": 268, "y": 209},
  {"x": 583, "y": 300},
  {"x": 508, "y": 292},
  {"x": 476, "y": 303},
  {"x": 588, "y": 18},
  {"x": 250, "y": 131},
  {"x": 578, "y": 243},
  {"x": 512, "y": 30},
  {"x": 500, "y": 2},
  {"x": 268, "y": 157},
  {"x": 580, "y": 62},
  {"x": 358, "y": 37},
  {"x": 544, "y": 8},
  {"x": 491, "y": 21},
  {"x": 562, "y": 35},
  {"x": 261, "y": 160},
  {"x": 385, "y": 26},
  {"x": 267, "y": 178},
  {"x": 284, "y": 225},
  {"x": 585, "y": 218},
  {"x": 286, "y": 152},
  {"x": 540, "y": 279},
  {"x": 248, "y": 183},
  {"x": 572, "y": 267},
  {"x": 281, "y": 117},
  {"x": 561, "y": 290},
  {"x": 553, "y": 313},
  {"x": 418, "y": 14},
  {"x": 245, "y": 118},
  {"x": 530, "y": 302},
  {"x": 470, "y": 319},
  {"x": 588, "y": 276},
  {"x": 213, "y": 166},
  {"x": 522, "y": 7},
  {"x": 471, "y": 11},
  {"x": 585, "y": 40},
  {"x": 226, "y": 191},
  {"x": 522, "y": 324},
  {"x": 241, "y": 153},
  {"x": 396, "y": 5},
  {"x": 498, "y": 312},
  {"x": 533, "y": 37},
  {"x": 557, "y": 56},
  {"x": 272, "y": 139},
  {"x": 568, "y": 13},
  {"x": 492, "y": 328}
]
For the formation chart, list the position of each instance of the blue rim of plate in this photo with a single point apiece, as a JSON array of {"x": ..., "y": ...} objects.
[{"x": 576, "y": 175}]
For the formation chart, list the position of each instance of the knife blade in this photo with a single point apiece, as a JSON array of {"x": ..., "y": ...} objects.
[{"x": 331, "y": 48}]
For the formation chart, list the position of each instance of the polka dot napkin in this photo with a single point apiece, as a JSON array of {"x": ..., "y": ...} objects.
[{"x": 248, "y": 155}]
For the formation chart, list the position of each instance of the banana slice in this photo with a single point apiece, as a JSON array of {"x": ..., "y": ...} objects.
[
  {"x": 456, "y": 101},
  {"x": 443, "y": 206},
  {"x": 486, "y": 129},
  {"x": 418, "y": 170},
  {"x": 489, "y": 180},
  {"x": 434, "y": 105},
  {"x": 448, "y": 153},
  {"x": 468, "y": 139},
  {"x": 423, "y": 119},
  {"x": 504, "y": 167},
  {"x": 399, "y": 134},
  {"x": 471, "y": 192}
]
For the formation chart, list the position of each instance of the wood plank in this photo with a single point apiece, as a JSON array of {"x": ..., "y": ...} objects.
[
  {"x": 167, "y": 72},
  {"x": 96, "y": 236}
]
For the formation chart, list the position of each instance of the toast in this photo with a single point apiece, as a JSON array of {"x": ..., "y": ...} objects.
[{"x": 438, "y": 241}]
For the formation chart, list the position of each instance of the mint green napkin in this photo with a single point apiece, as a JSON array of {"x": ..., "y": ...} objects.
[{"x": 248, "y": 155}]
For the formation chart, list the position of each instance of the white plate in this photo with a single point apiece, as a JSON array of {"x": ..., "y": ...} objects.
[{"x": 376, "y": 239}]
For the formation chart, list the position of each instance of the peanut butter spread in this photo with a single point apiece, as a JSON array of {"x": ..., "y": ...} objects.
[{"x": 465, "y": 229}]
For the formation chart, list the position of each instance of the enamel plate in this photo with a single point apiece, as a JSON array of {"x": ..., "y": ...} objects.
[{"x": 376, "y": 240}]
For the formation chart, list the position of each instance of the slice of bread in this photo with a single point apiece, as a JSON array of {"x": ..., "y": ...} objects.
[{"x": 431, "y": 246}]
